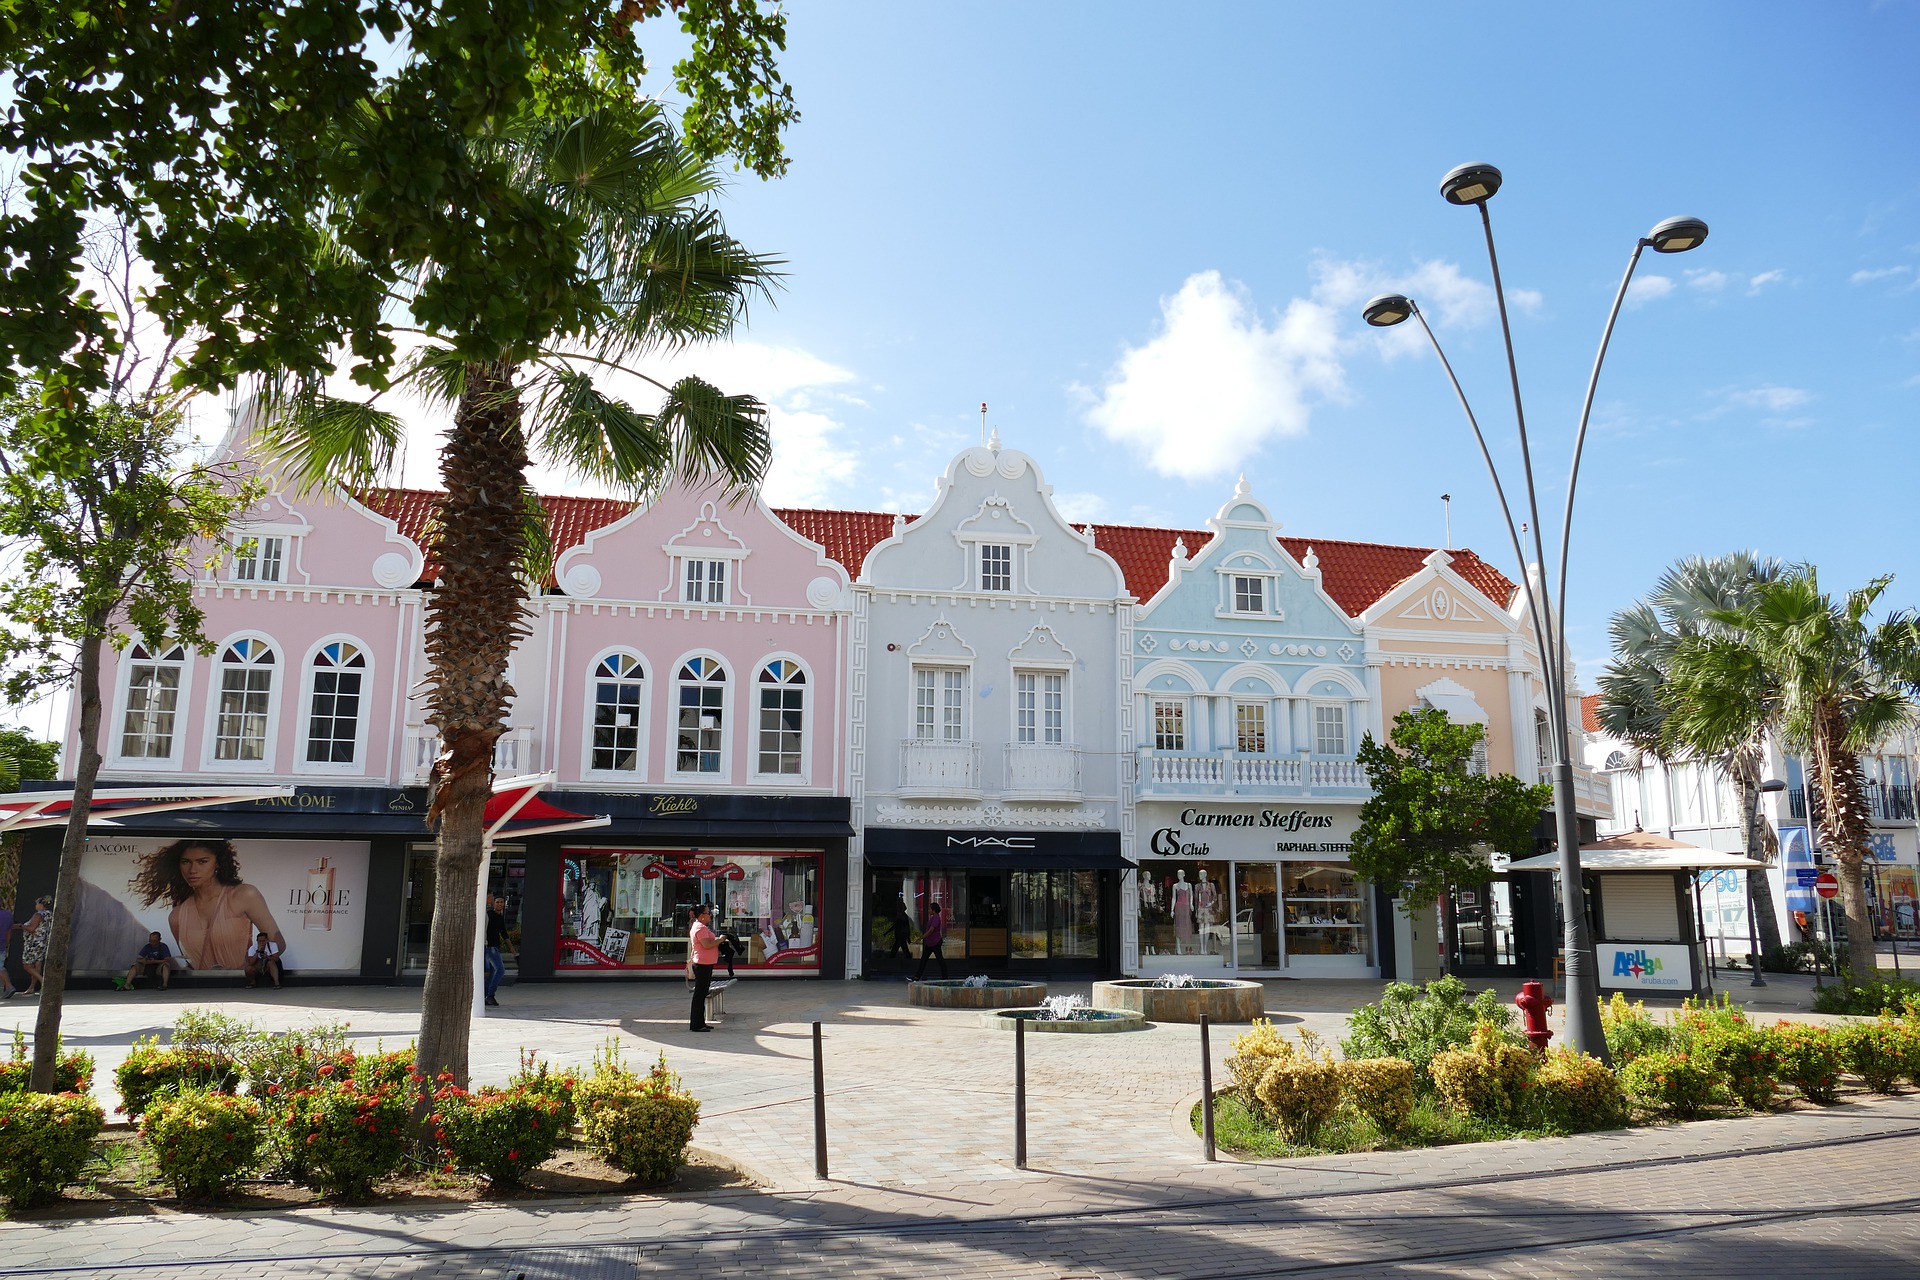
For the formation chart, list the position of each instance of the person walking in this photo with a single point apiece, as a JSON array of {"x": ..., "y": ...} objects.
[
  {"x": 902, "y": 931},
  {"x": 33, "y": 952},
  {"x": 496, "y": 938},
  {"x": 703, "y": 952},
  {"x": 933, "y": 932}
]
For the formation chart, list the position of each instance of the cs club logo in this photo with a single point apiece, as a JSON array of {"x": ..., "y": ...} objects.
[{"x": 1634, "y": 964}]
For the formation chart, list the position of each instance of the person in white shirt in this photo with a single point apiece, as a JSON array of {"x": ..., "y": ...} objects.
[{"x": 263, "y": 956}]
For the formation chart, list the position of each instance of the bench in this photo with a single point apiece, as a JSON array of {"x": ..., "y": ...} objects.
[{"x": 717, "y": 998}]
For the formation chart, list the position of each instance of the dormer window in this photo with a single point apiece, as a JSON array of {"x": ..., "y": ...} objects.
[
  {"x": 706, "y": 582},
  {"x": 996, "y": 567},
  {"x": 258, "y": 559},
  {"x": 1249, "y": 594}
]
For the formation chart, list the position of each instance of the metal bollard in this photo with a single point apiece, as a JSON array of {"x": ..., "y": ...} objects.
[
  {"x": 1019, "y": 1093},
  {"x": 1206, "y": 1086},
  {"x": 819, "y": 1108}
]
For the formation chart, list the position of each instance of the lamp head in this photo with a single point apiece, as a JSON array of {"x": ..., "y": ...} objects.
[
  {"x": 1387, "y": 310},
  {"x": 1773, "y": 784},
  {"x": 1677, "y": 235},
  {"x": 1470, "y": 184}
]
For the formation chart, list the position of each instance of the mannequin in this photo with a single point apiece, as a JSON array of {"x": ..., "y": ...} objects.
[
  {"x": 1206, "y": 897},
  {"x": 1182, "y": 913}
]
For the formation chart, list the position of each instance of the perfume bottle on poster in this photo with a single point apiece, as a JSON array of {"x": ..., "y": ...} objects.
[{"x": 319, "y": 907}]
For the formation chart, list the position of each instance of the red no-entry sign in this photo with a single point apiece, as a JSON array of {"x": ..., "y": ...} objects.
[{"x": 1826, "y": 885}]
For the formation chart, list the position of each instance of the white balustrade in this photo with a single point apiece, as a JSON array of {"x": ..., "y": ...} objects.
[
  {"x": 1232, "y": 774},
  {"x": 1043, "y": 771},
  {"x": 935, "y": 767},
  {"x": 513, "y": 753}
]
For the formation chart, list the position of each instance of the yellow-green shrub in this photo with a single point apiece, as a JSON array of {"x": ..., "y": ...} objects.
[
  {"x": 1255, "y": 1052},
  {"x": 203, "y": 1142},
  {"x": 1674, "y": 1082},
  {"x": 1745, "y": 1058},
  {"x": 1875, "y": 1051},
  {"x": 1574, "y": 1092},
  {"x": 1381, "y": 1089},
  {"x": 641, "y": 1124},
  {"x": 1488, "y": 1079},
  {"x": 1300, "y": 1094},
  {"x": 44, "y": 1140}
]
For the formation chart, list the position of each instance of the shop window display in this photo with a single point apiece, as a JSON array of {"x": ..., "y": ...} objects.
[
  {"x": 1326, "y": 909},
  {"x": 628, "y": 909},
  {"x": 1184, "y": 910}
]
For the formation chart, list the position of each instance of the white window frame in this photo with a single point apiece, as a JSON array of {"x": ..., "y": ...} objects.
[
  {"x": 805, "y": 686},
  {"x": 1030, "y": 687},
  {"x": 276, "y": 690},
  {"x": 591, "y": 702},
  {"x": 704, "y": 567},
  {"x": 251, "y": 559},
  {"x": 1180, "y": 713},
  {"x": 945, "y": 677},
  {"x": 981, "y": 569},
  {"x": 1262, "y": 588},
  {"x": 729, "y": 712},
  {"x": 123, "y": 699},
  {"x": 1346, "y": 730},
  {"x": 308, "y": 674},
  {"x": 1265, "y": 729}
]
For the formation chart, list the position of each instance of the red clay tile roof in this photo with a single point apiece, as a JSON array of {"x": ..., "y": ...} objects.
[
  {"x": 1355, "y": 574},
  {"x": 1590, "y": 713}
]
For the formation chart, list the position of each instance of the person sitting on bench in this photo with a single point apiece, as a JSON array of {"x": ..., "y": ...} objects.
[
  {"x": 263, "y": 956},
  {"x": 157, "y": 956}
]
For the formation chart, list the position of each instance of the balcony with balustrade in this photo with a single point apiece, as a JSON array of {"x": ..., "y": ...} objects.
[
  {"x": 513, "y": 753},
  {"x": 1179, "y": 776},
  {"x": 1043, "y": 771},
  {"x": 935, "y": 768}
]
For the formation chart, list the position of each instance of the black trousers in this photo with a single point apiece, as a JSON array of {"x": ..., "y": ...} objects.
[
  {"x": 702, "y": 983},
  {"x": 930, "y": 953}
]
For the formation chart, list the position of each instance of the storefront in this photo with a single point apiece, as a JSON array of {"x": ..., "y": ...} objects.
[
  {"x": 1258, "y": 889},
  {"x": 1015, "y": 902}
]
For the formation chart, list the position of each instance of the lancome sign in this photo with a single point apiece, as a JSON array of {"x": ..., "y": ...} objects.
[{"x": 1295, "y": 831}]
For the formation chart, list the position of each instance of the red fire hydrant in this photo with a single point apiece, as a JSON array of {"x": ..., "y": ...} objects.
[{"x": 1534, "y": 1002}]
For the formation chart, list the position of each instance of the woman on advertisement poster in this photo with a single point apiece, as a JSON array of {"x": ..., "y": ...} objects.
[{"x": 215, "y": 913}]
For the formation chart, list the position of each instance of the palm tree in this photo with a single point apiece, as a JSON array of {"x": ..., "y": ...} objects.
[
  {"x": 668, "y": 274},
  {"x": 1834, "y": 681},
  {"x": 1633, "y": 692}
]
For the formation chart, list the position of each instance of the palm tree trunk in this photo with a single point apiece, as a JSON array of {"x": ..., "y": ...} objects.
[
  {"x": 1843, "y": 817},
  {"x": 66, "y": 893},
  {"x": 475, "y": 616}
]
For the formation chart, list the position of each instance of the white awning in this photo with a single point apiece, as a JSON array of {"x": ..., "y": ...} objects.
[
  {"x": 32, "y": 810},
  {"x": 1643, "y": 851}
]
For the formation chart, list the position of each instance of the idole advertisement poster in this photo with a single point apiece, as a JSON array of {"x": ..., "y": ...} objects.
[{"x": 208, "y": 898}]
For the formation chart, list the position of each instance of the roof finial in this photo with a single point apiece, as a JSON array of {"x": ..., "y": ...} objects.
[
  {"x": 899, "y": 524},
  {"x": 1312, "y": 563},
  {"x": 1179, "y": 551},
  {"x": 994, "y": 442},
  {"x": 1242, "y": 490}
]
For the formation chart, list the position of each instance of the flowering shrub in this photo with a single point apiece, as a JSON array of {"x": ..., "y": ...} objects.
[
  {"x": 203, "y": 1143},
  {"x": 1677, "y": 1083},
  {"x": 1488, "y": 1079},
  {"x": 44, "y": 1140},
  {"x": 542, "y": 1080},
  {"x": 72, "y": 1070},
  {"x": 503, "y": 1133},
  {"x": 1632, "y": 1031},
  {"x": 150, "y": 1071},
  {"x": 1876, "y": 1052},
  {"x": 1576, "y": 1093},
  {"x": 1809, "y": 1060},
  {"x": 1256, "y": 1051},
  {"x": 392, "y": 1069},
  {"x": 1745, "y": 1058},
  {"x": 1381, "y": 1089},
  {"x": 342, "y": 1138},
  {"x": 1415, "y": 1024},
  {"x": 1300, "y": 1094},
  {"x": 641, "y": 1124},
  {"x": 292, "y": 1059}
]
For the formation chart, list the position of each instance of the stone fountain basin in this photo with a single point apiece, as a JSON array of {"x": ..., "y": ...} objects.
[
  {"x": 1102, "y": 1021},
  {"x": 1220, "y": 999},
  {"x": 953, "y": 993}
]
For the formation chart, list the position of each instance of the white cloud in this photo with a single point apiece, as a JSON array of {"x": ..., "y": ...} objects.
[
  {"x": 1218, "y": 381},
  {"x": 1080, "y": 508},
  {"x": 1708, "y": 281},
  {"x": 1756, "y": 283},
  {"x": 1877, "y": 273},
  {"x": 809, "y": 466},
  {"x": 1645, "y": 289},
  {"x": 1770, "y": 398}
]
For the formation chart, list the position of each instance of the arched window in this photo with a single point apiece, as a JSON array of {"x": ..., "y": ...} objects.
[
  {"x": 246, "y": 701},
  {"x": 618, "y": 689},
  {"x": 1616, "y": 760},
  {"x": 783, "y": 709},
  {"x": 701, "y": 715},
  {"x": 153, "y": 702},
  {"x": 333, "y": 715}
]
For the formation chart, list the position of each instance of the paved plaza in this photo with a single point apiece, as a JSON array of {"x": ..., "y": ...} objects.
[{"x": 923, "y": 1182}]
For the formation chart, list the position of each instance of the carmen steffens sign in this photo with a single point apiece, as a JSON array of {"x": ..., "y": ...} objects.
[{"x": 1175, "y": 841}]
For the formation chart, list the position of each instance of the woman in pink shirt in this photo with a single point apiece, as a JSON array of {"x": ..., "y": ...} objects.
[{"x": 703, "y": 952}]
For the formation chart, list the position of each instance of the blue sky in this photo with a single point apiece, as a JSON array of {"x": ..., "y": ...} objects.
[{"x": 1140, "y": 232}]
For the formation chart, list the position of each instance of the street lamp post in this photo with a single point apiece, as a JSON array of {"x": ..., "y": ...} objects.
[
  {"x": 1754, "y": 891},
  {"x": 1476, "y": 184}
]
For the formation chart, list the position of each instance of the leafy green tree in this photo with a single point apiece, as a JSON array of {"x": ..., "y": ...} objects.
[
  {"x": 656, "y": 250},
  {"x": 1839, "y": 683},
  {"x": 102, "y": 553},
  {"x": 25, "y": 758},
  {"x": 1634, "y": 693},
  {"x": 1434, "y": 818}
]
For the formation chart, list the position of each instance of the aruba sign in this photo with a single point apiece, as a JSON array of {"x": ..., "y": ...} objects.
[{"x": 1644, "y": 967}]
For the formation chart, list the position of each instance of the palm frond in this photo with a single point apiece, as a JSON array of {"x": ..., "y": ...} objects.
[
  {"x": 438, "y": 374},
  {"x": 597, "y": 436},
  {"x": 313, "y": 440},
  {"x": 716, "y": 435}
]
